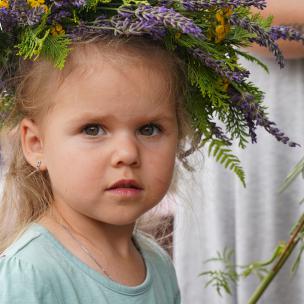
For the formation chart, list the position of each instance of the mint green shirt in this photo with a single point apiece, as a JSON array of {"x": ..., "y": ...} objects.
[{"x": 37, "y": 269}]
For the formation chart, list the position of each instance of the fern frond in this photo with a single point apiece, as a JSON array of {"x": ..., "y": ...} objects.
[
  {"x": 224, "y": 155},
  {"x": 56, "y": 49},
  {"x": 206, "y": 81},
  {"x": 253, "y": 59}
]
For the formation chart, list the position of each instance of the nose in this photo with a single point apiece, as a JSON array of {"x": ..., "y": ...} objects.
[{"x": 125, "y": 152}]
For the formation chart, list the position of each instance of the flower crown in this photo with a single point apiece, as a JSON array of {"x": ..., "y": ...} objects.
[{"x": 206, "y": 34}]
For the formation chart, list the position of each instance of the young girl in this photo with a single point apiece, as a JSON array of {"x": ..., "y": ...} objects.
[
  {"x": 99, "y": 109},
  {"x": 102, "y": 135}
]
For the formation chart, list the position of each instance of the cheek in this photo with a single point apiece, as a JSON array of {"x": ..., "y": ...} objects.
[
  {"x": 161, "y": 167},
  {"x": 68, "y": 170}
]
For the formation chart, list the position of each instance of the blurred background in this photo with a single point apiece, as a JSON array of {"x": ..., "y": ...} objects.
[{"x": 214, "y": 211}]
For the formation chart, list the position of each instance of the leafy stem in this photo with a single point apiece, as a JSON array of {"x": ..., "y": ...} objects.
[{"x": 293, "y": 241}]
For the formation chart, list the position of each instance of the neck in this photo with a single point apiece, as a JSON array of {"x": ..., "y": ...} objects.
[{"x": 109, "y": 238}]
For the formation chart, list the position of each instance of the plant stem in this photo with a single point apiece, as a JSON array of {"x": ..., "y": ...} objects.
[{"x": 292, "y": 242}]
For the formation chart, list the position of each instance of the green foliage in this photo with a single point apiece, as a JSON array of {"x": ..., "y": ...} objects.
[
  {"x": 239, "y": 37},
  {"x": 252, "y": 59},
  {"x": 199, "y": 109},
  {"x": 297, "y": 170},
  {"x": 136, "y": 2},
  {"x": 222, "y": 279},
  {"x": 209, "y": 85},
  {"x": 223, "y": 154},
  {"x": 265, "y": 23},
  {"x": 32, "y": 39},
  {"x": 297, "y": 261},
  {"x": 56, "y": 49},
  {"x": 208, "y": 80},
  {"x": 32, "y": 43},
  {"x": 92, "y": 4}
]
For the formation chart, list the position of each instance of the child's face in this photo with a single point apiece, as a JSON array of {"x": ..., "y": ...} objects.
[{"x": 111, "y": 125}]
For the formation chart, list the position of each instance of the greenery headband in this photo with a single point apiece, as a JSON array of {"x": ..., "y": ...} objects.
[{"x": 206, "y": 34}]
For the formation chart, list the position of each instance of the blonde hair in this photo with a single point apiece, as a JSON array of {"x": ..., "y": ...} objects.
[{"x": 27, "y": 196}]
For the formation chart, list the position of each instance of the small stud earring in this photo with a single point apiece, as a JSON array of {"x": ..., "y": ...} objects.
[
  {"x": 37, "y": 168},
  {"x": 38, "y": 165}
]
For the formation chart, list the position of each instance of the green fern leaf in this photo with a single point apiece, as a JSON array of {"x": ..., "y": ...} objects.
[
  {"x": 252, "y": 59},
  {"x": 224, "y": 156},
  {"x": 56, "y": 49}
]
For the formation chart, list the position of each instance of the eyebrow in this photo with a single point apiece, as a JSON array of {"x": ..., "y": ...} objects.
[{"x": 90, "y": 116}]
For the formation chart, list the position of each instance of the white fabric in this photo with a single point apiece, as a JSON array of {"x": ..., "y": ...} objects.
[{"x": 215, "y": 211}]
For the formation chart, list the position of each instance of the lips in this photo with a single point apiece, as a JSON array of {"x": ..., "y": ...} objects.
[{"x": 125, "y": 184}]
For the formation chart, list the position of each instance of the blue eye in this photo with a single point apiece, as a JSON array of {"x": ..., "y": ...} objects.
[
  {"x": 150, "y": 130},
  {"x": 93, "y": 130}
]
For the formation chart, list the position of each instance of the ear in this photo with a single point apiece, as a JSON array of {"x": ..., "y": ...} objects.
[{"x": 32, "y": 143}]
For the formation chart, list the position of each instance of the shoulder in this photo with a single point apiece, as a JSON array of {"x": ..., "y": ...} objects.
[
  {"x": 32, "y": 248},
  {"x": 23, "y": 270},
  {"x": 156, "y": 256},
  {"x": 163, "y": 272},
  {"x": 151, "y": 249}
]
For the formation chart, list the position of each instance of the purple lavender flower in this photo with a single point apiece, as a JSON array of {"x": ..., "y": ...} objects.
[
  {"x": 286, "y": 33},
  {"x": 219, "y": 66},
  {"x": 128, "y": 26},
  {"x": 166, "y": 3},
  {"x": 34, "y": 15},
  {"x": 98, "y": 27},
  {"x": 7, "y": 20},
  {"x": 59, "y": 15},
  {"x": 198, "y": 5},
  {"x": 68, "y": 3},
  {"x": 255, "y": 116},
  {"x": 219, "y": 133},
  {"x": 169, "y": 18},
  {"x": 263, "y": 38},
  {"x": 78, "y": 3}
]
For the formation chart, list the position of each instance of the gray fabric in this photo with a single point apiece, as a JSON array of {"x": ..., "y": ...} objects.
[{"x": 251, "y": 221}]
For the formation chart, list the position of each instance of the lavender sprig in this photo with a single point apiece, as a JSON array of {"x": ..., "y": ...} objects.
[
  {"x": 286, "y": 33},
  {"x": 198, "y": 5},
  {"x": 255, "y": 116},
  {"x": 125, "y": 24},
  {"x": 153, "y": 21},
  {"x": 169, "y": 18},
  {"x": 263, "y": 38},
  {"x": 219, "y": 133},
  {"x": 20, "y": 13},
  {"x": 7, "y": 20},
  {"x": 69, "y": 3},
  {"x": 219, "y": 66},
  {"x": 101, "y": 25}
]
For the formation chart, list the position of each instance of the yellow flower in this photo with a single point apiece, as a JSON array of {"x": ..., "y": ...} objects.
[
  {"x": 223, "y": 27},
  {"x": 45, "y": 7},
  {"x": 35, "y": 3},
  {"x": 178, "y": 35},
  {"x": 220, "y": 33},
  {"x": 225, "y": 84},
  {"x": 219, "y": 16},
  {"x": 4, "y": 4},
  {"x": 57, "y": 29},
  {"x": 228, "y": 11}
]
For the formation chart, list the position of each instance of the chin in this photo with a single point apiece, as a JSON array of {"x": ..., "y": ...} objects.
[
  {"x": 117, "y": 221},
  {"x": 124, "y": 220}
]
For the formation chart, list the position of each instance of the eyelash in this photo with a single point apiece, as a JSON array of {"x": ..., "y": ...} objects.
[{"x": 100, "y": 127}]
